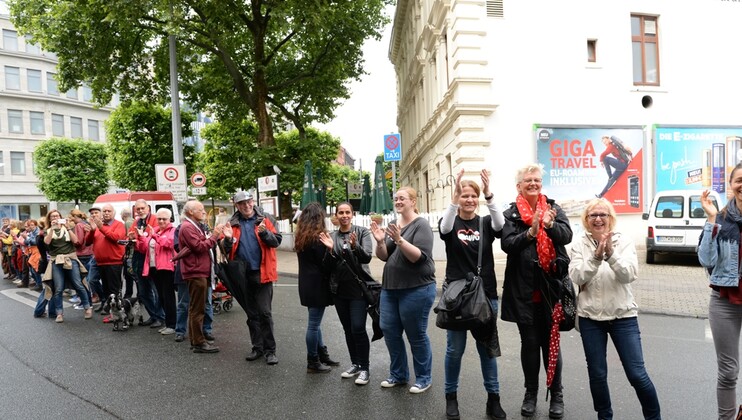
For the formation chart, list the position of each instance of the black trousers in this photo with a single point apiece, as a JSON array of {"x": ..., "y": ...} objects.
[
  {"x": 259, "y": 317},
  {"x": 110, "y": 275},
  {"x": 352, "y": 315},
  {"x": 534, "y": 347},
  {"x": 166, "y": 294}
]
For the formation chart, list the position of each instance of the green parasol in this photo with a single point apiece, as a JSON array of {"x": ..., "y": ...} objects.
[
  {"x": 307, "y": 194},
  {"x": 381, "y": 201},
  {"x": 365, "y": 195}
]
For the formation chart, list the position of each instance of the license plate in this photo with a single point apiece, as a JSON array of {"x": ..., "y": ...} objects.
[{"x": 672, "y": 239}]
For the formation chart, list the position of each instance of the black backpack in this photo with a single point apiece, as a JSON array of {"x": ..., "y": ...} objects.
[{"x": 625, "y": 154}]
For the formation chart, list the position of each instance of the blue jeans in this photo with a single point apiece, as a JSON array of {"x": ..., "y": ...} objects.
[
  {"x": 407, "y": 310},
  {"x": 455, "y": 346},
  {"x": 146, "y": 292},
  {"x": 181, "y": 312},
  {"x": 41, "y": 304},
  {"x": 59, "y": 274},
  {"x": 314, "y": 332},
  {"x": 627, "y": 340}
]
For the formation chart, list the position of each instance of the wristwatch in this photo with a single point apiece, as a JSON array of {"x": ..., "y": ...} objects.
[{"x": 489, "y": 197}]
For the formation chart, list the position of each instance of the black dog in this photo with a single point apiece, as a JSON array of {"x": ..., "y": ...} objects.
[{"x": 123, "y": 311}]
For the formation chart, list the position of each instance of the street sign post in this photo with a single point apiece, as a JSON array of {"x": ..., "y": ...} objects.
[
  {"x": 198, "y": 179},
  {"x": 393, "y": 153},
  {"x": 172, "y": 177},
  {"x": 198, "y": 190}
]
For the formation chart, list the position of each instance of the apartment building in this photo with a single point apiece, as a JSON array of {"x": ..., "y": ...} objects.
[
  {"x": 498, "y": 84},
  {"x": 32, "y": 109}
]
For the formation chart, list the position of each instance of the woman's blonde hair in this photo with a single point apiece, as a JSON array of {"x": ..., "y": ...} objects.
[
  {"x": 599, "y": 202},
  {"x": 412, "y": 195}
]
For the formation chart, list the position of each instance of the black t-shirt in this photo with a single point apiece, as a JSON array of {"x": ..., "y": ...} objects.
[{"x": 462, "y": 246}]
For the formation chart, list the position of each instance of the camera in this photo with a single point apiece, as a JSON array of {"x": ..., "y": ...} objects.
[{"x": 61, "y": 222}]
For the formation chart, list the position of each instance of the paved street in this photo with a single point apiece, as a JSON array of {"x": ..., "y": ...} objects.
[{"x": 81, "y": 368}]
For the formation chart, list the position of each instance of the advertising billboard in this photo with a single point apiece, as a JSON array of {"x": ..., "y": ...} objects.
[
  {"x": 582, "y": 163},
  {"x": 696, "y": 157}
]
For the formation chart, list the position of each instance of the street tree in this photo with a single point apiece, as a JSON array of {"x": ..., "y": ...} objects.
[
  {"x": 139, "y": 136},
  {"x": 71, "y": 169},
  {"x": 232, "y": 159},
  {"x": 286, "y": 59}
]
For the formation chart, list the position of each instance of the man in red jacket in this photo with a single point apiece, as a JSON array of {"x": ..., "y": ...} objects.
[
  {"x": 253, "y": 238},
  {"x": 108, "y": 237},
  {"x": 196, "y": 268}
]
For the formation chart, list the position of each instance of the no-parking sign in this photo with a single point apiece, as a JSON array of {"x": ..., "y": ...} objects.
[
  {"x": 392, "y": 148},
  {"x": 171, "y": 177}
]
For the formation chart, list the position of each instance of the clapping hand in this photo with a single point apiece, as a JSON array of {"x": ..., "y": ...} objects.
[
  {"x": 708, "y": 206},
  {"x": 326, "y": 240},
  {"x": 378, "y": 232}
]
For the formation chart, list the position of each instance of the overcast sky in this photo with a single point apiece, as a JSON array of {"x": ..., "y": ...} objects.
[{"x": 371, "y": 111}]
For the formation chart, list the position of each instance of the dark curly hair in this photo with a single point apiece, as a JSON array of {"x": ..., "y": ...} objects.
[{"x": 310, "y": 224}]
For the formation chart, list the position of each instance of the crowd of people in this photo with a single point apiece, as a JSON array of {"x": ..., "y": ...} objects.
[{"x": 174, "y": 269}]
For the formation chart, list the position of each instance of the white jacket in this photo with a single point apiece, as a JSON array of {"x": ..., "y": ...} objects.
[{"x": 605, "y": 291}]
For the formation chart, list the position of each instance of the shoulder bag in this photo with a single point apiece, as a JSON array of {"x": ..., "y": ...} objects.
[{"x": 464, "y": 304}]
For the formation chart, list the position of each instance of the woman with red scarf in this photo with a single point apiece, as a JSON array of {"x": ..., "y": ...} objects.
[{"x": 535, "y": 233}]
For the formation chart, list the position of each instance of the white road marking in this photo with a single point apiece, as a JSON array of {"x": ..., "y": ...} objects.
[{"x": 17, "y": 295}]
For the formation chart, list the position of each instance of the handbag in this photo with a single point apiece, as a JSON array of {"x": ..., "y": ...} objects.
[
  {"x": 464, "y": 304},
  {"x": 559, "y": 285},
  {"x": 370, "y": 288}
]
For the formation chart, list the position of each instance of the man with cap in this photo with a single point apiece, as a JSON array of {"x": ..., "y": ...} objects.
[
  {"x": 253, "y": 238},
  {"x": 107, "y": 235}
]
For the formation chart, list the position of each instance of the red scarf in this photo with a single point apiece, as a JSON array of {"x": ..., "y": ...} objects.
[{"x": 544, "y": 246}]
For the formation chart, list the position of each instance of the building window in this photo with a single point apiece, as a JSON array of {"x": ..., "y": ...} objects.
[
  {"x": 592, "y": 50},
  {"x": 17, "y": 163},
  {"x": 72, "y": 93},
  {"x": 645, "y": 50},
  {"x": 76, "y": 127},
  {"x": 87, "y": 93},
  {"x": 37, "y": 122},
  {"x": 12, "y": 78},
  {"x": 32, "y": 48},
  {"x": 34, "y": 80},
  {"x": 2, "y": 167},
  {"x": 15, "y": 121},
  {"x": 10, "y": 40},
  {"x": 93, "y": 133},
  {"x": 51, "y": 84},
  {"x": 58, "y": 125}
]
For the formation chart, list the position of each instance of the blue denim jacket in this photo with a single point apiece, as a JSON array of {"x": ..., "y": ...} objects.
[{"x": 720, "y": 256}]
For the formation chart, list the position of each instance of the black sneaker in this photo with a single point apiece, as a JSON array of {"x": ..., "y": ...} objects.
[
  {"x": 179, "y": 338},
  {"x": 254, "y": 355},
  {"x": 352, "y": 372},
  {"x": 271, "y": 359},
  {"x": 362, "y": 378}
]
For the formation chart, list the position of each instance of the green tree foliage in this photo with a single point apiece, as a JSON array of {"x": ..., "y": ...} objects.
[
  {"x": 289, "y": 59},
  {"x": 232, "y": 160},
  {"x": 71, "y": 170},
  {"x": 140, "y": 136}
]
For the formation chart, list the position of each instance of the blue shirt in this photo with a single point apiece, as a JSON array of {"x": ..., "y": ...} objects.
[{"x": 249, "y": 248}]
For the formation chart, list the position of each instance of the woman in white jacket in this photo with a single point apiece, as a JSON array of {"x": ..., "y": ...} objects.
[{"x": 603, "y": 264}]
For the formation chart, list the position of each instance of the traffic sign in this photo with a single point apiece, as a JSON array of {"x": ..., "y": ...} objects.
[
  {"x": 171, "y": 177},
  {"x": 392, "y": 148},
  {"x": 198, "y": 190},
  {"x": 198, "y": 179}
]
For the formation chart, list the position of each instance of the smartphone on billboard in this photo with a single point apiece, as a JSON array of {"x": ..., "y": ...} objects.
[{"x": 633, "y": 190}]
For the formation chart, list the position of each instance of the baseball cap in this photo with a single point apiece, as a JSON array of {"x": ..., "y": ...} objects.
[
  {"x": 94, "y": 208},
  {"x": 242, "y": 196}
]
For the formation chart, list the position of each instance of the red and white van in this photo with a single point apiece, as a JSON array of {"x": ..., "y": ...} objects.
[{"x": 155, "y": 199}]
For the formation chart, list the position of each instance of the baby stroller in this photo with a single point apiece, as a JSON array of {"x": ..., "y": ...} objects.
[{"x": 220, "y": 298}]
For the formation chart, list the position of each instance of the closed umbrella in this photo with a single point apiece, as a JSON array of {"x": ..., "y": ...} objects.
[
  {"x": 322, "y": 196},
  {"x": 308, "y": 194},
  {"x": 366, "y": 195},
  {"x": 381, "y": 202}
]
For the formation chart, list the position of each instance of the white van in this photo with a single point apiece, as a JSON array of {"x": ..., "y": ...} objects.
[
  {"x": 155, "y": 199},
  {"x": 675, "y": 221}
]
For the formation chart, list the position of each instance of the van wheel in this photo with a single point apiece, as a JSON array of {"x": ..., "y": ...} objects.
[{"x": 650, "y": 257}]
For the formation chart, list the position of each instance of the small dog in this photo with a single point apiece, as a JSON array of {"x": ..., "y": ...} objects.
[{"x": 123, "y": 311}]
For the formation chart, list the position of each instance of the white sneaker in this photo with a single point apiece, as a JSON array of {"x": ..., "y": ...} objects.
[
  {"x": 362, "y": 378},
  {"x": 161, "y": 330},
  {"x": 391, "y": 383},
  {"x": 419, "y": 388},
  {"x": 167, "y": 331},
  {"x": 353, "y": 371}
]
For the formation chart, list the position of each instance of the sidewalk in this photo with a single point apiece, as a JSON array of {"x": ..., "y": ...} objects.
[{"x": 677, "y": 287}]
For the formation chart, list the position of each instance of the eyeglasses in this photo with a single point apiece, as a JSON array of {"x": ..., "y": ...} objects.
[
  {"x": 163, "y": 218},
  {"x": 532, "y": 181},
  {"x": 140, "y": 208},
  {"x": 596, "y": 215}
]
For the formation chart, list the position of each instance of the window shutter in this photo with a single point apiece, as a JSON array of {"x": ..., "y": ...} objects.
[{"x": 495, "y": 8}]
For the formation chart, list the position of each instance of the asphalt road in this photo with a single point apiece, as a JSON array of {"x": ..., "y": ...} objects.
[{"x": 82, "y": 369}]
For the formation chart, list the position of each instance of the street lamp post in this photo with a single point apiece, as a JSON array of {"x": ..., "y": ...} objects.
[{"x": 345, "y": 179}]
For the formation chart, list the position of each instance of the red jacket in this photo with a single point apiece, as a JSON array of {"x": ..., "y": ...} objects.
[
  {"x": 164, "y": 251},
  {"x": 151, "y": 222},
  {"x": 195, "y": 264},
  {"x": 105, "y": 239},
  {"x": 269, "y": 262}
]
